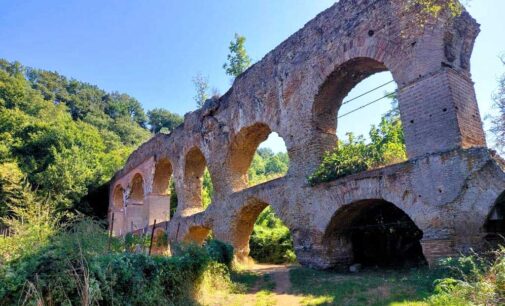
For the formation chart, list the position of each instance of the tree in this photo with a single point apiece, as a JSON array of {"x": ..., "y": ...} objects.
[
  {"x": 160, "y": 118},
  {"x": 498, "y": 121},
  {"x": 201, "y": 84},
  {"x": 238, "y": 60}
]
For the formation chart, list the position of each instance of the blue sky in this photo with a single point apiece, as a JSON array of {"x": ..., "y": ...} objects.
[{"x": 151, "y": 49}]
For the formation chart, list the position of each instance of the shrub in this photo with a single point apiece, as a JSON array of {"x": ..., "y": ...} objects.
[
  {"x": 474, "y": 280},
  {"x": 271, "y": 240},
  {"x": 75, "y": 267},
  {"x": 386, "y": 146}
]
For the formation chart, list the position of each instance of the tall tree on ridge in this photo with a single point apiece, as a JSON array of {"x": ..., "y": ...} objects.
[{"x": 238, "y": 60}]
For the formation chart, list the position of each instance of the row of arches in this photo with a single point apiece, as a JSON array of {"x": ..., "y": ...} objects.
[{"x": 394, "y": 237}]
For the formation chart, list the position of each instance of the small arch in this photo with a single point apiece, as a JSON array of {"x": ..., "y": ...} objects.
[
  {"x": 373, "y": 232},
  {"x": 244, "y": 150},
  {"x": 118, "y": 197},
  {"x": 160, "y": 242},
  {"x": 195, "y": 172},
  {"x": 162, "y": 177},
  {"x": 137, "y": 190},
  {"x": 196, "y": 234},
  {"x": 247, "y": 223},
  {"x": 494, "y": 226}
]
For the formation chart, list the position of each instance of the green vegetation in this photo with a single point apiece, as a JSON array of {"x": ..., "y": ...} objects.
[
  {"x": 238, "y": 60},
  {"x": 271, "y": 240},
  {"x": 51, "y": 261},
  {"x": 365, "y": 288},
  {"x": 161, "y": 120},
  {"x": 65, "y": 138},
  {"x": 386, "y": 146},
  {"x": 201, "y": 84}
]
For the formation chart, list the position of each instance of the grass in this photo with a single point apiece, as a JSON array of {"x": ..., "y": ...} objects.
[{"x": 374, "y": 288}]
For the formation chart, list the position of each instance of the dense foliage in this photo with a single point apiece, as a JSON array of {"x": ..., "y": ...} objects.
[
  {"x": 237, "y": 60},
  {"x": 271, "y": 240},
  {"x": 46, "y": 262},
  {"x": 473, "y": 280},
  {"x": 64, "y": 137},
  {"x": 386, "y": 146}
]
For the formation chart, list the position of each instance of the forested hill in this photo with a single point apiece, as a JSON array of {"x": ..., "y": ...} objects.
[{"x": 62, "y": 138}]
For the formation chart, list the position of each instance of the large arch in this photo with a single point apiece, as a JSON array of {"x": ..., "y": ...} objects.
[
  {"x": 337, "y": 86},
  {"x": 373, "y": 232}
]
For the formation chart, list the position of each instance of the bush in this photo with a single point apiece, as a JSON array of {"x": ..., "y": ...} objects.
[
  {"x": 474, "y": 280},
  {"x": 271, "y": 240},
  {"x": 387, "y": 146},
  {"x": 75, "y": 267}
]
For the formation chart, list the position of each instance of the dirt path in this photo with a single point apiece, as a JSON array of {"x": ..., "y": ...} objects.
[{"x": 280, "y": 276}]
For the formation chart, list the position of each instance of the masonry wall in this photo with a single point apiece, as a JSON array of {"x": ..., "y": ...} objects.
[{"x": 296, "y": 90}]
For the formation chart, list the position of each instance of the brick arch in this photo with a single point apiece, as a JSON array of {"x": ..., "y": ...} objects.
[
  {"x": 373, "y": 231},
  {"x": 194, "y": 167},
  {"x": 162, "y": 174},
  {"x": 242, "y": 225},
  {"x": 196, "y": 234},
  {"x": 118, "y": 197},
  {"x": 241, "y": 152},
  {"x": 337, "y": 86},
  {"x": 137, "y": 191}
]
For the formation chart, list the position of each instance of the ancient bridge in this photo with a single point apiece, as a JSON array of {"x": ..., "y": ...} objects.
[{"x": 449, "y": 188}]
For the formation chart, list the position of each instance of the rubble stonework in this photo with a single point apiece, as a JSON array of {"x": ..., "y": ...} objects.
[{"x": 448, "y": 187}]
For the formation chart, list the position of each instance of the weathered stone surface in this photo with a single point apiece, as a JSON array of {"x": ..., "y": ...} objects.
[{"x": 447, "y": 188}]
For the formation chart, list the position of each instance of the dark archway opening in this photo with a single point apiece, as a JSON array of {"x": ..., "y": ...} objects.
[
  {"x": 495, "y": 224},
  {"x": 379, "y": 234}
]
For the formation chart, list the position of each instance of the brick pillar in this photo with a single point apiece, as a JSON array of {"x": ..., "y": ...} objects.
[
  {"x": 306, "y": 156},
  {"x": 440, "y": 113},
  {"x": 159, "y": 208},
  {"x": 118, "y": 228},
  {"x": 136, "y": 216},
  {"x": 435, "y": 249}
]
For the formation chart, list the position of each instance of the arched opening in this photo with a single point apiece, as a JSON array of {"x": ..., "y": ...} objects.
[
  {"x": 160, "y": 242},
  {"x": 257, "y": 155},
  {"x": 198, "y": 186},
  {"x": 162, "y": 177},
  {"x": 197, "y": 234},
  {"x": 159, "y": 199},
  {"x": 357, "y": 104},
  {"x": 262, "y": 236},
  {"x": 495, "y": 224},
  {"x": 118, "y": 197},
  {"x": 374, "y": 233},
  {"x": 137, "y": 190}
]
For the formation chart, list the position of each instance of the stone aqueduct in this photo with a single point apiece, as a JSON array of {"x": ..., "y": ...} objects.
[{"x": 449, "y": 188}]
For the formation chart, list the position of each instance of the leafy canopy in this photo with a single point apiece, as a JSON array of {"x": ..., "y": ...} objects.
[{"x": 238, "y": 60}]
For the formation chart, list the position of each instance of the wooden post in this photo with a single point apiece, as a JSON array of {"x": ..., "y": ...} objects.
[
  {"x": 110, "y": 232},
  {"x": 152, "y": 237},
  {"x": 177, "y": 233}
]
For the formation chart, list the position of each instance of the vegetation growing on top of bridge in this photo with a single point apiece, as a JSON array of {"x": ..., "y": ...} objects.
[{"x": 386, "y": 146}]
